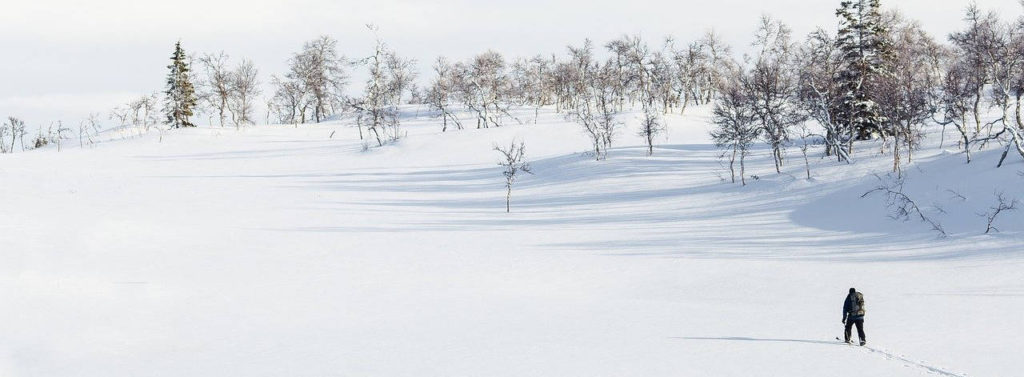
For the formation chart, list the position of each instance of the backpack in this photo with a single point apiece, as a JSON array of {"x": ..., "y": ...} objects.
[{"x": 858, "y": 304}]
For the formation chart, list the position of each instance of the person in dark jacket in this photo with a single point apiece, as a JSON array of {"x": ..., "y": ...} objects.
[{"x": 853, "y": 314}]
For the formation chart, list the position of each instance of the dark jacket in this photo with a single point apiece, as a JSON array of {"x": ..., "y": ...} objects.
[{"x": 852, "y": 311}]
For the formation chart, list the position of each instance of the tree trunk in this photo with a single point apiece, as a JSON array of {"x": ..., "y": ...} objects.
[
  {"x": 966, "y": 140},
  {"x": 977, "y": 112},
  {"x": 775, "y": 159},
  {"x": 807, "y": 163},
  {"x": 849, "y": 145},
  {"x": 743, "y": 171},
  {"x": 1014, "y": 142},
  {"x": 896, "y": 155},
  {"x": 942, "y": 138},
  {"x": 1003, "y": 156},
  {"x": 508, "y": 198},
  {"x": 732, "y": 163},
  {"x": 650, "y": 142},
  {"x": 223, "y": 104},
  {"x": 1016, "y": 111}
]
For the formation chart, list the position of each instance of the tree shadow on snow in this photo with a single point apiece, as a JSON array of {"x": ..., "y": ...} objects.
[{"x": 667, "y": 205}]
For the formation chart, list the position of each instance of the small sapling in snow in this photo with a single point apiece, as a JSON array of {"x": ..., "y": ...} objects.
[{"x": 512, "y": 160}]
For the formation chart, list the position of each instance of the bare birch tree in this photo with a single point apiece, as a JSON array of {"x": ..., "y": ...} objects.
[
  {"x": 773, "y": 86},
  {"x": 290, "y": 100},
  {"x": 819, "y": 92},
  {"x": 244, "y": 87},
  {"x": 216, "y": 85},
  {"x": 514, "y": 164},
  {"x": 441, "y": 95},
  {"x": 389, "y": 76},
  {"x": 904, "y": 92},
  {"x": 735, "y": 122},
  {"x": 320, "y": 68},
  {"x": 16, "y": 129}
]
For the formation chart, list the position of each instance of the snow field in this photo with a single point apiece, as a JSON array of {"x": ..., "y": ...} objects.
[{"x": 279, "y": 250}]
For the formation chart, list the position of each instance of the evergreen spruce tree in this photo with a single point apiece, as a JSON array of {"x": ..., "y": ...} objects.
[
  {"x": 180, "y": 94},
  {"x": 864, "y": 47}
]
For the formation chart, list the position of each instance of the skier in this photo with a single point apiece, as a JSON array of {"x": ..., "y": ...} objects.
[{"x": 853, "y": 314}]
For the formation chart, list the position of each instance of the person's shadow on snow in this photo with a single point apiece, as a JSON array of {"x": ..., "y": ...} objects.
[{"x": 748, "y": 339}]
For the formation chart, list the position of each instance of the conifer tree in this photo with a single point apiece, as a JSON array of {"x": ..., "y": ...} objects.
[
  {"x": 180, "y": 94},
  {"x": 863, "y": 47}
]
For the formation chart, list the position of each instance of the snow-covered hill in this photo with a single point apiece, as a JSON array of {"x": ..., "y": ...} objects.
[{"x": 291, "y": 251}]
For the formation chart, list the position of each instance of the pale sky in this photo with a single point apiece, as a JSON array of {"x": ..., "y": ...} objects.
[{"x": 62, "y": 59}]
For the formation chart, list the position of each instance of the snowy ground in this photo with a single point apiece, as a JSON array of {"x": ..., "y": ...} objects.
[{"x": 279, "y": 251}]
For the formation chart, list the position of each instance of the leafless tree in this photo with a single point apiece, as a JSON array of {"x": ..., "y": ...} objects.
[
  {"x": 244, "y": 87},
  {"x": 58, "y": 134},
  {"x": 684, "y": 80},
  {"x": 819, "y": 92},
  {"x": 636, "y": 63},
  {"x": 441, "y": 95},
  {"x": 389, "y": 76},
  {"x": 773, "y": 86},
  {"x": 904, "y": 93},
  {"x": 957, "y": 91},
  {"x": 974, "y": 46},
  {"x": 19, "y": 129},
  {"x": 597, "y": 105},
  {"x": 717, "y": 62},
  {"x": 735, "y": 123},
  {"x": 120, "y": 114},
  {"x": 514, "y": 164},
  {"x": 574, "y": 76},
  {"x": 403, "y": 74},
  {"x": 651, "y": 125},
  {"x": 16, "y": 128},
  {"x": 87, "y": 128},
  {"x": 639, "y": 72},
  {"x": 141, "y": 113},
  {"x": 486, "y": 87},
  {"x": 989, "y": 60},
  {"x": 416, "y": 96},
  {"x": 1007, "y": 75},
  {"x": 806, "y": 140},
  {"x": 321, "y": 70},
  {"x": 532, "y": 83},
  {"x": 4, "y": 129},
  {"x": 216, "y": 85},
  {"x": 663, "y": 79},
  {"x": 376, "y": 103},
  {"x": 290, "y": 101}
]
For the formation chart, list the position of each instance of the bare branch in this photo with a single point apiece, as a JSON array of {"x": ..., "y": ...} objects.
[
  {"x": 1002, "y": 205},
  {"x": 902, "y": 207}
]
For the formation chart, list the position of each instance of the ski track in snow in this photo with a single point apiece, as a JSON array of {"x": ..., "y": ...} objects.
[{"x": 908, "y": 362}]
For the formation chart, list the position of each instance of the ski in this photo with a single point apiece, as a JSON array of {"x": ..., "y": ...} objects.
[{"x": 850, "y": 343}]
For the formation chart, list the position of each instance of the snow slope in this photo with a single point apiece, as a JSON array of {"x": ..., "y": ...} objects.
[{"x": 283, "y": 251}]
